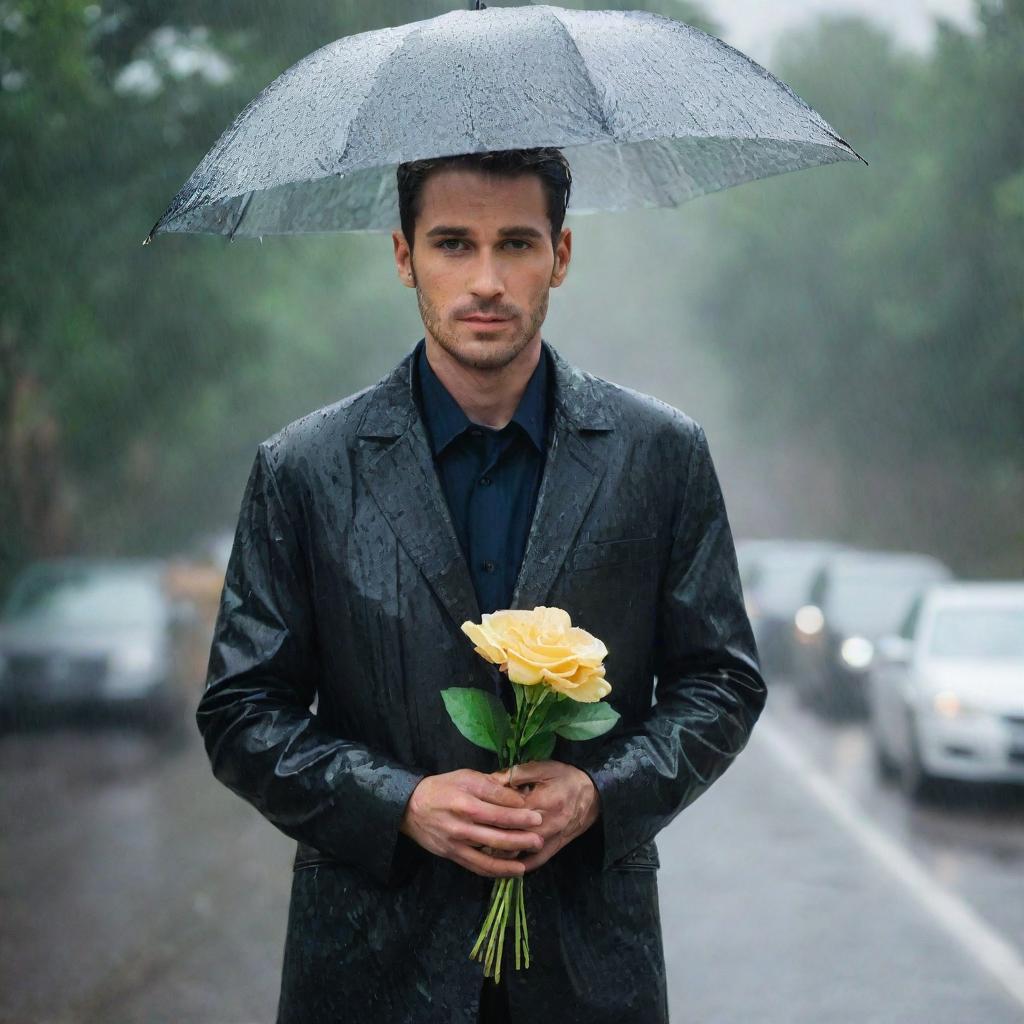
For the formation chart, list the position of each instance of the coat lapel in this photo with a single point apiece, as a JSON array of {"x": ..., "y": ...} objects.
[{"x": 398, "y": 470}]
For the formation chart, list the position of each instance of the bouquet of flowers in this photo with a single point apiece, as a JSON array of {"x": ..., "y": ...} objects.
[{"x": 557, "y": 673}]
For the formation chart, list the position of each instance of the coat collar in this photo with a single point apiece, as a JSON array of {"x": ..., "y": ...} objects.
[
  {"x": 392, "y": 404},
  {"x": 398, "y": 469},
  {"x": 445, "y": 419}
]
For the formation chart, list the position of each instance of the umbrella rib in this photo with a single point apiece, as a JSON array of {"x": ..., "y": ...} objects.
[
  {"x": 605, "y": 126},
  {"x": 241, "y": 215},
  {"x": 414, "y": 28}
]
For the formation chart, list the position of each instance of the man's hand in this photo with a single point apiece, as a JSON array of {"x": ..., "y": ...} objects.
[
  {"x": 454, "y": 814},
  {"x": 564, "y": 794}
]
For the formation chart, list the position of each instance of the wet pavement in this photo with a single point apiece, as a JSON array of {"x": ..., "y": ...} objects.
[
  {"x": 798, "y": 889},
  {"x": 135, "y": 888}
]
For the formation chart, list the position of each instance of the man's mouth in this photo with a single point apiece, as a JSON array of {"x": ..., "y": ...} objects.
[{"x": 480, "y": 318}]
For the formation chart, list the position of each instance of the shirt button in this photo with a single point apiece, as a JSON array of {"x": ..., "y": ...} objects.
[
  {"x": 476, "y": 432},
  {"x": 485, "y": 480},
  {"x": 489, "y": 566}
]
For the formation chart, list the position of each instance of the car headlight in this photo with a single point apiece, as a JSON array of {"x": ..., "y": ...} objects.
[
  {"x": 946, "y": 704},
  {"x": 857, "y": 651},
  {"x": 809, "y": 620},
  {"x": 136, "y": 660}
]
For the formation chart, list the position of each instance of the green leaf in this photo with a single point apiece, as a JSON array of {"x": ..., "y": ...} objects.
[
  {"x": 539, "y": 748},
  {"x": 587, "y": 721},
  {"x": 478, "y": 715},
  {"x": 543, "y": 719}
]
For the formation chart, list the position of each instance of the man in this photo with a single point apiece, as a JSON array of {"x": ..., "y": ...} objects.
[{"x": 483, "y": 471}]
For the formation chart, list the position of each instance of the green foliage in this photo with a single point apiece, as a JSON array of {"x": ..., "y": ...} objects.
[
  {"x": 135, "y": 382},
  {"x": 538, "y": 748},
  {"x": 479, "y": 716},
  {"x": 570, "y": 719},
  {"x": 586, "y": 721},
  {"x": 874, "y": 314}
]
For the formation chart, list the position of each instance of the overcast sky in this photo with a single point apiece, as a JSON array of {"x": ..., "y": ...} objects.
[{"x": 752, "y": 25}]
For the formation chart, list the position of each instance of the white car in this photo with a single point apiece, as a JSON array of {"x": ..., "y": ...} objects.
[{"x": 946, "y": 696}]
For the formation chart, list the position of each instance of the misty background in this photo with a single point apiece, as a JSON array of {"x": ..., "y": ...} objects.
[{"x": 849, "y": 336}]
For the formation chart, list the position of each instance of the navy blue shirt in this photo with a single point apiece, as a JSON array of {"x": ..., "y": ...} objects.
[{"x": 490, "y": 477}]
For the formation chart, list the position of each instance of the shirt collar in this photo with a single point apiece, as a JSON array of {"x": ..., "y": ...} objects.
[{"x": 445, "y": 419}]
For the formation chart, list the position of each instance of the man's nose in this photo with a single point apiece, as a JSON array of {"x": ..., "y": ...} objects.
[{"x": 485, "y": 280}]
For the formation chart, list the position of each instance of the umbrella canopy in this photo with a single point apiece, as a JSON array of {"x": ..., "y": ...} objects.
[{"x": 649, "y": 111}]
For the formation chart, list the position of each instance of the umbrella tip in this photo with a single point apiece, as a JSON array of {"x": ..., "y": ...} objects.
[{"x": 843, "y": 142}]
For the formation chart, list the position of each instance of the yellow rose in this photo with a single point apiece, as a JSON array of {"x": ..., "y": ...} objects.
[{"x": 542, "y": 646}]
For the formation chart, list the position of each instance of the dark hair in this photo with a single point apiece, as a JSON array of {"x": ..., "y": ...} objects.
[{"x": 548, "y": 163}]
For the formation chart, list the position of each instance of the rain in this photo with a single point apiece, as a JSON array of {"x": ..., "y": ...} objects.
[{"x": 847, "y": 330}]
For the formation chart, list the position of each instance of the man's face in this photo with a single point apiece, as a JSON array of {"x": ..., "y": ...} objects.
[{"x": 482, "y": 263}]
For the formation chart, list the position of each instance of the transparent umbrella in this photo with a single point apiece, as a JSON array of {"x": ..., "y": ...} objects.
[{"x": 648, "y": 110}]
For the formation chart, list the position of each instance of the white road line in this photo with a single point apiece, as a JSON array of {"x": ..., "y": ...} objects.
[{"x": 983, "y": 943}]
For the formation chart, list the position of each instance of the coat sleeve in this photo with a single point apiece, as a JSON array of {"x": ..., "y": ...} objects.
[
  {"x": 262, "y": 740},
  {"x": 709, "y": 690}
]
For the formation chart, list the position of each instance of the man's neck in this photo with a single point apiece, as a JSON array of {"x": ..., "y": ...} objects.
[{"x": 488, "y": 397}]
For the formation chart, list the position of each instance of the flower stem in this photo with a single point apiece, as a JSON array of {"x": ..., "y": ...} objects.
[
  {"x": 498, "y": 904},
  {"x": 518, "y": 886},
  {"x": 502, "y": 921},
  {"x": 508, "y": 894},
  {"x": 489, "y": 919},
  {"x": 521, "y": 913}
]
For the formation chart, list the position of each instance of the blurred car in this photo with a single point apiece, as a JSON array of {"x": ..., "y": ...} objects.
[
  {"x": 856, "y": 597},
  {"x": 947, "y": 694},
  {"x": 198, "y": 577},
  {"x": 214, "y": 549},
  {"x": 93, "y": 637},
  {"x": 777, "y": 577}
]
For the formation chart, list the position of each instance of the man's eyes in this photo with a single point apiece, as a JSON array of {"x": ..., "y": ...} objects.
[{"x": 443, "y": 244}]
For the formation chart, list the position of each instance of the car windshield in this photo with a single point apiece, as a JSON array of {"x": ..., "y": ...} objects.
[
  {"x": 783, "y": 583},
  {"x": 67, "y": 597},
  {"x": 873, "y": 601},
  {"x": 978, "y": 632}
]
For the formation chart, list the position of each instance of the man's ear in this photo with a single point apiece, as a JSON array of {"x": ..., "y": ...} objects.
[
  {"x": 403, "y": 259},
  {"x": 563, "y": 254}
]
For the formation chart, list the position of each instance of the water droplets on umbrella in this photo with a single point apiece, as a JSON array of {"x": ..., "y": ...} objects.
[{"x": 649, "y": 111}]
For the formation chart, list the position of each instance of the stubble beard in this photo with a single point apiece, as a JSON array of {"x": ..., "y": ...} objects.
[{"x": 499, "y": 353}]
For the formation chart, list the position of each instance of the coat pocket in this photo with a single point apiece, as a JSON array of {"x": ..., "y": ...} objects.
[
  {"x": 642, "y": 858},
  {"x": 308, "y": 856},
  {"x": 593, "y": 554}
]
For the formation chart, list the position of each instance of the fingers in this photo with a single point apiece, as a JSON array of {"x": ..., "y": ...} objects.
[
  {"x": 503, "y": 817},
  {"x": 531, "y": 771},
  {"x": 535, "y": 860},
  {"x": 484, "y": 788},
  {"x": 516, "y": 779},
  {"x": 552, "y": 845},
  {"x": 492, "y": 852},
  {"x": 499, "y": 838},
  {"x": 490, "y": 867}
]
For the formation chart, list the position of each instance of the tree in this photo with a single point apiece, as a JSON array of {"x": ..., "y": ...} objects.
[{"x": 880, "y": 320}]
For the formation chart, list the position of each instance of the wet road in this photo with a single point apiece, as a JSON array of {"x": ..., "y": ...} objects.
[
  {"x": 135, "y": 888},
  {"x": 799, "y": 889}
]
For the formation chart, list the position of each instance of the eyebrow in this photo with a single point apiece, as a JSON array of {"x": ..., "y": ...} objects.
[{"x": 519, "y": 230}]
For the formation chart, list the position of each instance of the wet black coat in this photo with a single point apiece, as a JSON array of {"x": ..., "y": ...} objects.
[{"x": 347, "y": 583}]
